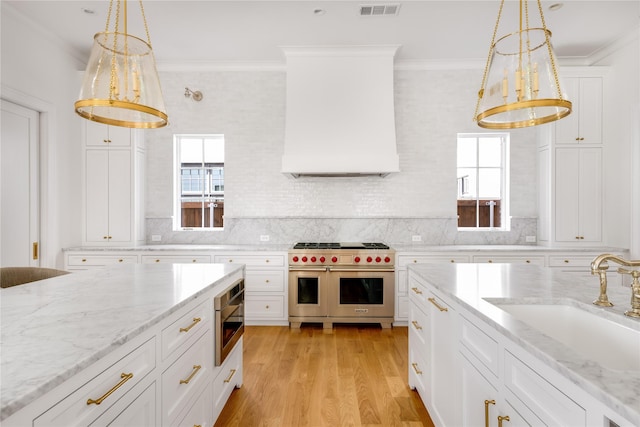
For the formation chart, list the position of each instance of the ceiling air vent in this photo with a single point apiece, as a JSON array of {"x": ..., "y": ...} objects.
[{"x": 379, "y": 10}]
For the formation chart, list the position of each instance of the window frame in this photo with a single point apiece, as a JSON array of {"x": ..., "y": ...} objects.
[
  {"x": 505, "y": 216},
  {"x": 177, "y": 180}
]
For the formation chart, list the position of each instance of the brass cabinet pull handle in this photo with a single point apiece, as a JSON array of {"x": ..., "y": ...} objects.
[
  {"x": 196, "y": 368},
  {"x": 125, "y": 378},
  {"x": 194, "y": 260},
  {"x": 453, "y": 260},
  {"x": 120, "y": 260},
  {"x": 434, "y": 302},
  {"x": 231, "y": 374},
  {"x": 266, "y": 281},
  {"x": 415, "y": 368},
  {"x": 157, "y": 260},
  {"x": 501, "y": 419},
  {"x": 417, "y": 291},
  {"x": 486, "y": 411},
  {"x": 416, "y": 324},
  {"x": 490, "y": 261},
  {"x": 84, "y": 260},
  {"x": 195, "y": 322},
  {"x": 267, "y": 261},
  {"x": 528, "y": 262},
  {"x": 566, "y": 261}
]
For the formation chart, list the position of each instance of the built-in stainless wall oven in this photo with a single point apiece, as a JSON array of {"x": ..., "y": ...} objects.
[
  {"x": 341, "y": 283},
  {"x": 229, "y": 319}
]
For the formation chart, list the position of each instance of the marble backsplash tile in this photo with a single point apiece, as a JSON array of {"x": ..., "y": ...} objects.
[{"x": 393, "y": 231}]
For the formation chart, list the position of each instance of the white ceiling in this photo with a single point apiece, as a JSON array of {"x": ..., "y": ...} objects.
[{"x": 211, "y": 31}]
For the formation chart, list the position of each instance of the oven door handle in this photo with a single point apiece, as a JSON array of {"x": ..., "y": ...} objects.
[
  {"x": 308, "y": 269},
  {"x": 361, "y": 270}
]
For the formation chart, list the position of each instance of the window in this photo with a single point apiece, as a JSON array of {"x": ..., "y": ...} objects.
[
  {"x": 483, "y": 180},
  {"x": 199, "y": 181}
]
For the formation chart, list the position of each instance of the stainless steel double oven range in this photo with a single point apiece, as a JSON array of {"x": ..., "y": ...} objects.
[{"x": 341, "y": 283}]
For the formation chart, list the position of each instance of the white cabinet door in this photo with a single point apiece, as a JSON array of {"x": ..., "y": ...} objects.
[
  {"x": 108, "y": 195},
  {"x": 444, "y": 383},
  {"x": 584, "y": 124},
  {"x": 479, "y": 396},
  {"x": 578, "y": 198}
]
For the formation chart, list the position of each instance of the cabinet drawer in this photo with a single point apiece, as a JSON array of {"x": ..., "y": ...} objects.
[
  {"x": 200, "y": 413},
  {"x": 404, "y": 260},
  {"x": 533, "y": 260},
  {"x": 141, "y": 412},
  {"x": 185, "y": 329},
  {"x": 417, "y": 292},
  {"x": 571, "y": 261},
  {"x": 100, "y": 260},
  {"x": 227, "y": 377},
  {"x": 175, "y": 259},
  {"x": 251, "y": 260},
  {"x": 551, "y": 405},
  {"x": 419, "y": 326},
  {"x": 264, "y": 307},
  {"x": 480, "y": 344},
  {"x": 264, "y": 281},
  {"x": 106, "y": 388},
  {"x": 186, "y": 376}
]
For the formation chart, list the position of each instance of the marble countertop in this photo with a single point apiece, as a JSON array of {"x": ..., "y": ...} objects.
[
  {"x": 178, "y": 248},
  {"x": 101, "y": 309},
  {"x": 474, "y": 286},
  {"x": 505, "y": 248},
  {"x": 398, "y": 248}
]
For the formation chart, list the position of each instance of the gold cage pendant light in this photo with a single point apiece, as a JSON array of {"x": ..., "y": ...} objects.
[
  {"x": 520, "y": 85},
  {"x": 121, "y": 86}
]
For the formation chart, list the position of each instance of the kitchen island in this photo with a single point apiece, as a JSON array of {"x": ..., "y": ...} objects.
[
  {"x": 467, "y": 339},
  {"x": 64, "y": 339}
]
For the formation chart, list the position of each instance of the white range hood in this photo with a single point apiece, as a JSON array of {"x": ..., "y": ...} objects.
[{"x": 340, "y": 111}]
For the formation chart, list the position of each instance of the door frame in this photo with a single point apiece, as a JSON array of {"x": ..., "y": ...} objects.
[{"x": 48, "y": 191}]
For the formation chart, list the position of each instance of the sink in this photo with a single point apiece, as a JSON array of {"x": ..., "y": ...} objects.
[{"x": 612, "y": 345}]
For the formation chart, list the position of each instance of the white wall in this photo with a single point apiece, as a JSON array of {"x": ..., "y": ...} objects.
[
  {"x": 621, "y": 132},
  {"x": 37, "y": 73},
  {"x": 432, "y": 106}
]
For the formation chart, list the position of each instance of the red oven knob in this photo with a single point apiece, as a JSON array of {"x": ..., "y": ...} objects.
[
  {"x": 387, "y": 259},
  {"x": 313, "y": 259},
  {"x": 322, "y": 259},
  {"x": 369, "y": 259},
  {"x": 304, "y": 259},
  {"x": 357, "y": 259},
  {"x": 334, "y": 259},
  {"x": 294, "y": 259},
  {"x": 378, "y": 259}
]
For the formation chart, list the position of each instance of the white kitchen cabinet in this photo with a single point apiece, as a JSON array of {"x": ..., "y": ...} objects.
[
  {"x": 175, "y": 259},
  {"x": 227, "y": 377},
  {"x": 265, "y": 285},
  {"x": 87, "y": 261},
  {"x": 532, "y": 260},
  {"x": 113, "y": 186},
  {"x": 444, "y": 361},
  {"x": 584, "y": 124},
  {"x": 578, "y": 195}
]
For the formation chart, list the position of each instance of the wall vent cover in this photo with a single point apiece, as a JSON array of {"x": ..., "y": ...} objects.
[{"x": 380, "y": 9}]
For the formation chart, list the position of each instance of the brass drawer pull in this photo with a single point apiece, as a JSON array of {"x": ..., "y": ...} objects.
[
  {"x": 415, "y": 368},
  {"x": 501, "y": 418},
  {"x": 195, "y": 322},
  {"x": 441, "y": 308},
  {"x": 196, "y": 368},
  {"x": 417, "y": 291},
  {"x": 486, "y": 411},
  {"x": 231, "y": 374},
  {"x": 416, "y": 325},
  {"x": 125, "y": 378}
]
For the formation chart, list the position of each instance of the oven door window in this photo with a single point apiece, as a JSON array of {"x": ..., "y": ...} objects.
[
  {"x": 308, "y": 290},
  {"x": 358, "y": 290}
]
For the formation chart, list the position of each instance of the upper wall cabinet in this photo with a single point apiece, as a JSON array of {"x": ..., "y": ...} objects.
[
  {"x": 113, "y": 200},
  {"x": 584, "y": 124}
]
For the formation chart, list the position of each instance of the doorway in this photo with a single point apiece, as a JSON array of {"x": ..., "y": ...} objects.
[{"x": 20, "y": 189}]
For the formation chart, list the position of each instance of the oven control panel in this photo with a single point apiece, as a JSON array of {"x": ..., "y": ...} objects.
[{"x": 364, "y": 258}]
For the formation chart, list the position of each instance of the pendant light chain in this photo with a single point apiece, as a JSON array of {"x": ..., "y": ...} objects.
[
  {"x": 486, "y": 67},
  {"x": 553, "y": 63},
  {"x": 146, "y": 27}
]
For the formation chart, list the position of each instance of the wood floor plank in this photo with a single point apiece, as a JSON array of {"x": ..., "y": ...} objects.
[{"x": 354, "y": 375}]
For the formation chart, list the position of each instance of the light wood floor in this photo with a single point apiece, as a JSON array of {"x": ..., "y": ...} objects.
[{"x": 355, "y": 376}]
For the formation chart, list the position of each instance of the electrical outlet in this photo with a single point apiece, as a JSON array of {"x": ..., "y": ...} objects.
[
  {"x": 264, "y": 237},
  {"x": 530, "y": 239},
  {"x": 416, "y": 238},
  {"x": 156, "y": 237}
]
